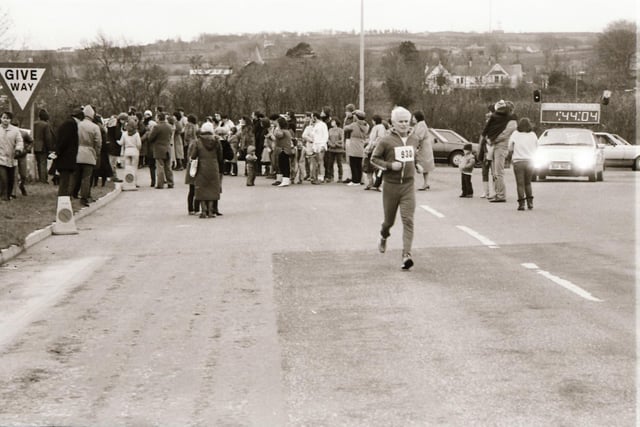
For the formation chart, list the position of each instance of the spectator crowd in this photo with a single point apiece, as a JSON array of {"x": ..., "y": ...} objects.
[{"x": 87, "y": 150}]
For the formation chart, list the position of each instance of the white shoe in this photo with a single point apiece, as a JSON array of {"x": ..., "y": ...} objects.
[{"x": 285, "y": 182}]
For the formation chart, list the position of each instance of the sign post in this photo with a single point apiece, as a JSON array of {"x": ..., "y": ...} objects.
[{"x": 22, "y": 81}]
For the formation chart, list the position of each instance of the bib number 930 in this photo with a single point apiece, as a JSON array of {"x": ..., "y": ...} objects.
[{"x": 404, "y": 154}]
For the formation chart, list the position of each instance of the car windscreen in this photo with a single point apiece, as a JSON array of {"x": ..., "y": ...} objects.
[
  {"x": 441, "y": 137},
  {"x": 566, "y": 137}
]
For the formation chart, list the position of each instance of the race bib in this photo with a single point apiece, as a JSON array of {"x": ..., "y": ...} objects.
[{"x": 404, "y": 153}]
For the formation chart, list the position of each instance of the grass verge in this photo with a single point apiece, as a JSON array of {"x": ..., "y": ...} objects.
[{"x": 20, "y": 217}]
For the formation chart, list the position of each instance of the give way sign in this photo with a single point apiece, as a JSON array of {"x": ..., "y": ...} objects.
[{"x": 22, "y": 80}]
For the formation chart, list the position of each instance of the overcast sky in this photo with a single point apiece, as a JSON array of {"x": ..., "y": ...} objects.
[{"x": 49, "y": 24}]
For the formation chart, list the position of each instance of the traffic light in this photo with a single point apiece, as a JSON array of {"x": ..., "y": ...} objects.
[
  {"x": 605, "y": 97},
  {"x": 537, "y": 96}
]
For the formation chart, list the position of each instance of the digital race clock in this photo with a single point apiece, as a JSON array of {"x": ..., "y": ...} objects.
[{"x": 582, "y": 114}]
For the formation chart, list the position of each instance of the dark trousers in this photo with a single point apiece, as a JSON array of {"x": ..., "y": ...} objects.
[
  {"x": 152, "y": 169},
  {"x": 7, "y": 178},
  {"x": 41, "y": 167},
  {"x": 64, "y": 185},
  {"x": 331, "y": 159},
  {"x": 82, "y": 180},
  {"x": 399, "y": 197},
  {"x": 284, "y": 166},
  {"x": 164, "y": 172},
  {"x": 523, "y": 172},
  {"x": 193, "y": 205},
  {"x": 467, "y": 187},
  {"x": 355, "y": 163},
  {"x": 251, "y": 173}
]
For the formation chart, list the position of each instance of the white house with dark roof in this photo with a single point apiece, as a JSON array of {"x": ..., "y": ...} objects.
[{"x": 472, "y": 76}]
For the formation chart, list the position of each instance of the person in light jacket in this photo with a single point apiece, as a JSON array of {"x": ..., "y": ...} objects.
[
  {"x": 522, "y": 146},
  {"x": 359, "y": 131},
  {"x": 11, "y": 144},
  {"x": 89, "y": 145}
]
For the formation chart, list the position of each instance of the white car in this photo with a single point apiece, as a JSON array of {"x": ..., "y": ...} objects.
[
  {"x": 568, "y": 152},
  {"x": 617, "y": 151}
]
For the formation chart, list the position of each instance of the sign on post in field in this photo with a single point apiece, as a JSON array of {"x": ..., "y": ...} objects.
[{"x": 21, "y": 80}]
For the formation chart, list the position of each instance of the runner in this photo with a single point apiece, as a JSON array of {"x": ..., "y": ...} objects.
[{"x": 395, "y": 155}]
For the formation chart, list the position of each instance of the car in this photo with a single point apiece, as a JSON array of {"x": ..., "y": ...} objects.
[
  {"x": 617, "y": 151},
  {"x": 448, "y": 146},
  {"x": 571, "y": 152}
]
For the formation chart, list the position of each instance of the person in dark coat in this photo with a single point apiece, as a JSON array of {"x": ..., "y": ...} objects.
[
  {"x": 160, "y": 144},
  {"x": 43, "y": 144},
  {"x": 66, "y": 151},
  {"x": 208, "y": 151},
  {"x": 115, "y": 128}
]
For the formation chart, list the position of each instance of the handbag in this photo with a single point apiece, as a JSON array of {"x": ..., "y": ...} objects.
[{"x": 193, "y": 168}]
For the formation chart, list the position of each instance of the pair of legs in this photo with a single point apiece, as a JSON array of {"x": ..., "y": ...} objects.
[
  {"x": 333, "y": 158},
  {"x": 7, "y": 178},
  {"x": 193, "y": 205},
  {"x": 523, "y": 171},
  {"x": 355, "y": 164},
  {"x": 399, "y": 197},
  {"x": 41, "y": 166},
  {"x": 467, "y": 187},
  {"x": 209, "y": 209},
  {"x": 164, "y": 172},
  {"x": 82, "y": 181},
  {"x": 499, "y": 157}
]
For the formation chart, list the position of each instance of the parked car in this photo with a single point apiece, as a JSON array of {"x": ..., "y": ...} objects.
[
  {"x": 448, "y": 146},
  {"x": 568, "y": 152},
  {"x": 617, "y": 151}
]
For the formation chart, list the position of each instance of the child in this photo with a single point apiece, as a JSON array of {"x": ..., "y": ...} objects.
[
  {"x": 250, "y": 159},
  {"x": 466, "y": 165},
  {"x": 299, "y": 161},
  {"x": 266, "y": 157}
]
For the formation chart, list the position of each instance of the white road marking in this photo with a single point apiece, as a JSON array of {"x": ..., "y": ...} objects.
[
  {"x": 432, "y": 211},
  {"x": 485, "y": 241},
  {"x": 41, "y": 292},
  {"x": 563, "y": 282}
]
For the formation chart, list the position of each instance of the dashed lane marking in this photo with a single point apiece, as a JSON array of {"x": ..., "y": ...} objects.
[
  {"x": 432, "y": 211},
  {"x": 484, "y": 240},
  {"x": 562, "y": 282}
]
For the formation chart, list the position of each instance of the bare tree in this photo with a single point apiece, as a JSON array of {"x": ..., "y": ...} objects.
[
  {"x": 616, "y": 49},
  {"x": 6, "y": 24},
  {"x": 119, "y": 76}
]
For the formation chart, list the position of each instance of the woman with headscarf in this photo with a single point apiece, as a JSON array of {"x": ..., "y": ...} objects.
[
  {"x": 424, "y": 150},
  {"x": 208, "y": 152},
  {"x": 359, "y": 131}
]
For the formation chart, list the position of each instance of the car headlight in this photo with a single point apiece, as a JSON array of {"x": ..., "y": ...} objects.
[
  {"x": 540, "y": 160},
  {"x": 584, "y": 160}
]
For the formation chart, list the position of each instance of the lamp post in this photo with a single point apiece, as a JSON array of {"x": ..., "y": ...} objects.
[
  {"x": 578, "y": 73},
  {"x": 361, "y": 103}
]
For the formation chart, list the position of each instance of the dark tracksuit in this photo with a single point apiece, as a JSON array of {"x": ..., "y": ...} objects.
[{"x": 398, "y": 187}]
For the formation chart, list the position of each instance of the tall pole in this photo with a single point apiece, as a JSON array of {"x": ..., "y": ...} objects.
[{"x": 362, "y": 55}]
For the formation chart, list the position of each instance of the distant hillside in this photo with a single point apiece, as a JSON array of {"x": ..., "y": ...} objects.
[{"x": 236, "y": 50}]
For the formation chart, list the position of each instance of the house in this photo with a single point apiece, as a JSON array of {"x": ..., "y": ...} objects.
[
  {"x": 218, "y": 70},
  {"x": 472, "y": 76},
  {"x": 438, "y": 79}
]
